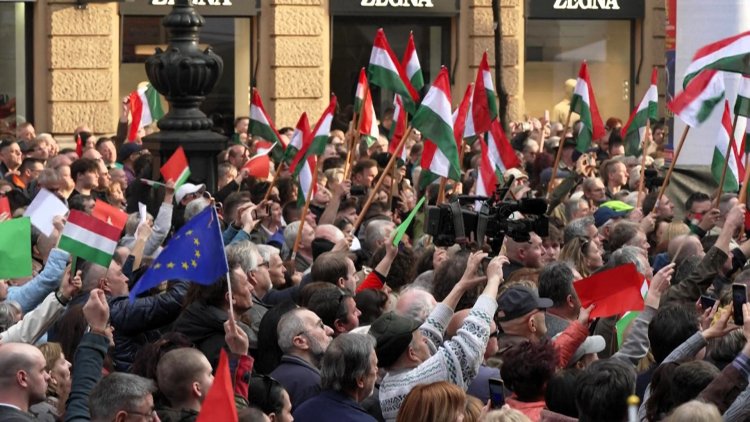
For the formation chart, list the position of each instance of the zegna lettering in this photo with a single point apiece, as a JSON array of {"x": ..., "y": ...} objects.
[
  {"x": 195, "y": 2},
  {"x": 585, "y": 4},
  {"x": 395, "y": 3}
]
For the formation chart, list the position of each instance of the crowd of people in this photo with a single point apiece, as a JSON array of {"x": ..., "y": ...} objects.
[{"x": 348, "y": 326}]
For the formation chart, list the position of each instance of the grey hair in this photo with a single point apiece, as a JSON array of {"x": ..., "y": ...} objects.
[
  {"x": 571, "y": 207},
  {"x": 375, "y": 232},
  {"x": 628, "y": 255},
  {"x": 267, "y": 251},
  {"x": 420, "y": 307},
  {"x": 577, "y": 228},
  {"x": 346, "y": 360},
  {"x": 194, "y": 207},
  {"x": 118, "y": 391},
  {"x": 290, "y": 325},
  {"x": 243, "y": 254},
  {"x": 132, "y": 223},
  {"x": 290, "y": 234},
  {"x": 7, "y": 315},
  {"x": 48, "y": 176}
]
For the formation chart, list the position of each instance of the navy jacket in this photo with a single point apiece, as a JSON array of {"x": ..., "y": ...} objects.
[
  {"x": 331, "y": 406},
  {"x": 300, "y": 379},
  {"x": 88, "y": 361},
  {"x": 480, "y": 385}
]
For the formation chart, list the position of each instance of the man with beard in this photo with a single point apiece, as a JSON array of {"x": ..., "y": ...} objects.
[
  {"x": 303, "y": 338},
  {"x": 23, "y": 380},
  {"x": 349, "y": 369}
]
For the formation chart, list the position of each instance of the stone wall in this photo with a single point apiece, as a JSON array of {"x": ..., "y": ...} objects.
[{"x": 81, "y": 63}]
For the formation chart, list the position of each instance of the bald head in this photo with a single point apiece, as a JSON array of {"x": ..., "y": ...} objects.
[
  {"x": 329, "y": 232},
  {"x": 92, "y": 154},
  {"x": 684, "y": 246},
  {"x": 23, "y": 377},
  {"x": 415, "y": 303},
  {"x": 456, "y": 322},
  {"x": 176, "y": 372}
]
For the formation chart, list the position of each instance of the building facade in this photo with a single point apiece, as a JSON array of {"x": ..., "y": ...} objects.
[{"x": 70, "y": 62}]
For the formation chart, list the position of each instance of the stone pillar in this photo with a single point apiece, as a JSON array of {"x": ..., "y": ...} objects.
[
  {"x": 654, "y": 26},
  {"x": 294, "y": 73},
  {"x": 82, "y": 69}
]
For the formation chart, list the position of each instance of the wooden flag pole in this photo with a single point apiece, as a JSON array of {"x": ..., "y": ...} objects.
[
  {"x": 743, "y": 187},
  {"x": 441, "y": 191},
  {"x": 644, "y": 150},
  {"x": 726, "y": 163},
  {"x": 273, "y": 184},
  {"x": 559, "y": 155},
  {"x": 674, "y": 162},
  {"x": 304, "y": 210},
  {"x": 351, "y": 144},
  {"x": 379, "y": 183}
]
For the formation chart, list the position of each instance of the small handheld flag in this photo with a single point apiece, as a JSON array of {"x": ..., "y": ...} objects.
[{"x": 176, "y": 168}]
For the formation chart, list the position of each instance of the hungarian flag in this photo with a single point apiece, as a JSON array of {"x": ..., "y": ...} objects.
[
  {"x": 262, "y": 126},
  {"x": 386, "y": 72},
  {"x": 145, "y": 108},
  {"x": 259, "y": 165},
  {"x": 307, "y": 179},
  {"x": 486, "y": 179},
  {"x": 300, "y": 133},
  {"x": 742, "y": 104},
  {"x": 434, "y": 120},
  {"x": 368, "y": 124},
  {"x": 732, "y": 179},
  {"x": 614, "y": 291},
  {"x": 632, "y": 132},
  {"x": 89, "y": 238},
  {"x": 398, "y": 128},
  {"x": 411, "y": 65},
  {"x": 484, "y": 103},
  {"x": 219, "y": 403},
  {"x": 584, "y": 103},
  {"x": 460, "y": 116},
  {"x": 501, "y": 153},
  {"x": 470, "y": 134},
  {"x": 359, "y": 94},
  {"x": 730, "y": 54},
  {"x": 696, "y": 102},
  {"x": 315, "y": 142},
  {"x": 176, "y": 168},
  {"x": 79, "y": 145},
  {"x": 109, "y": 214}
]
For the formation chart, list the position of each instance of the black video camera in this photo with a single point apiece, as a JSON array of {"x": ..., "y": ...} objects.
[{"x": 453, "y": 223}]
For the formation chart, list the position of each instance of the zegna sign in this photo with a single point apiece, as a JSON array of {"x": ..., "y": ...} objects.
[
  {"x": 235, "y": 8},
  {"x": 414, "y": 8},
  {"x": 584, "y": 9},
  {"x": 397, "y": 3}
]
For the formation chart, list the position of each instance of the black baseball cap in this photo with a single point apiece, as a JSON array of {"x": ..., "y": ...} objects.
[
  {"x": 518, "y": 301},
  {"x": 393, "y": 334}
]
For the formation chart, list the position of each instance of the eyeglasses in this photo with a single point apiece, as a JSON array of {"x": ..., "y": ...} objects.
[{"x": 151, "y": 416}]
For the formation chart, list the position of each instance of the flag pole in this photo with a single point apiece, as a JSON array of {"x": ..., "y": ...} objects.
[
  {"x": 305, "y": 209},
  {"x": 273, "y": 184},
  {"x": 644, "y": 150},
  {"x": 229, "y": 292},
  {"x": 374, "y": 191},
  {"x": 674, "y": 162},
  {"x": 350, "y": 143},
  {"x": 441, "y": 191},
  {"x": 559, "y": 155},
  {"x": 726, "y": 163}
]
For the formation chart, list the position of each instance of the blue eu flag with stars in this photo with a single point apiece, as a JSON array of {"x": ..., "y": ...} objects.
[{"x": 195, "y": 253}]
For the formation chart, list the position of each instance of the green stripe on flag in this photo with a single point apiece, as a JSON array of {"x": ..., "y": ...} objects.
[
  {"x": 742, "y": 106},
  {"x": 183, "y": 178},
  {"x": 438, "y": 131},
  {"x": 85, "y": 251},
  {"x": 623, "y": 323},
  {"x": 384, "y": 78},
  {"x": 731, "y": 184},
  {"x": 154, "y": 103},
  {"x": 584, "y": 138},
  {"x": 707, "y": 107}
]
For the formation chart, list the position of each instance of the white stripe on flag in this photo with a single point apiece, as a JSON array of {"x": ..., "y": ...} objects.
[
  {"x": 89, "y": 238},
  {"x": 380, "y": 58}
]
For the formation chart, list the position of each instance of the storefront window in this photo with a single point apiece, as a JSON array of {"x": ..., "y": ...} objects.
[
  {"x": 13, "y": 75},
  {"x": 554, "y": 52},
  {"x": 352, "y": 44}
]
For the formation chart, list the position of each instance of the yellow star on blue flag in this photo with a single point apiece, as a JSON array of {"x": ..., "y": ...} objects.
[{"x": 200, "y": 241}]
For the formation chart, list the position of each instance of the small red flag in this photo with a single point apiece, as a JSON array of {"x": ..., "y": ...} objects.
[
  {"x": 79, "y": 145},
  {"x": 259, "y": 166},
  {"x": 176, "y": 168},
  {"x": 5, "y": 206},
  {"x": 614, "y": 291},
  {"x": 109, "y": 214},
  {"x": 219, "y": 403}
]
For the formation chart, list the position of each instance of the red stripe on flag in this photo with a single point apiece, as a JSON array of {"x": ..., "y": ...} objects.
[
  {"x": 93, "y": 225},
  {"x": 718, "y": 45},
  {"x": 696, "y": 86},
  {"x": 173, "y": 168},
  {"x": 136, "y": 111},
  {"x": 109, "y": 214},
  {"x": 382, "y": 42}
]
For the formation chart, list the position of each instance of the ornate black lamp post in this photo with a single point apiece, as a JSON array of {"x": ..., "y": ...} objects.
[{"x": 185, "y": 75}]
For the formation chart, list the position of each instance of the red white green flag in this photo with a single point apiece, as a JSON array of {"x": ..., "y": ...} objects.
[
  {"x": 434, "y": 120},
  {"x": 308, "y": 179},
  {"x": 730, "y": 55},
  {"x": 484, "y": 103},
  {"x": 398, "y": 128},
  {"x": 301, "y": 131},
  {"x": 145, "y": 108},
  {"x": 315, "y": 143},
  {"x": 647, "y": 110},
  {"x": 584, "y": 103},
  {"x": 89, "y": 238},
  {"x": 259, "y": 165},
  {"x": 176, "y": 168},
  {"x": 732, "y": 178},
  {"x": 742, "y": 110},
  {"x": 411, "y": 65},
  {"x": 460, "y": 116},
  {"x": 695, "y": 103},
  {"x": 386, "y": 72},
  {"x": 368, "y": 124},
  {"x": 359, "y": 94},
  {"x": 262, "y": 126},
  {"x": 486, "y": 179},
  {"x": 501, "y": 153}
]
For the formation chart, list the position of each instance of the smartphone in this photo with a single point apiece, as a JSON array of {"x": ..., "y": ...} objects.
[
  {"x": 739, "y": 297},
  {"x": 707, "y": 302},
  {"x": 497, "y": 396}
]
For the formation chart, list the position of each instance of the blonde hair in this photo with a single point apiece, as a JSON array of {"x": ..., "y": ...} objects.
[
  {"x": 437, "y": 402},
  {"x": 473, "y": 409},
  {"x": 52, "y": 352},
  {"x": 505, "y": 415},
  {"x": 674, "y": 229},
  {"x": 573, "y": 252},
  {"x": 695, "y": 411}
]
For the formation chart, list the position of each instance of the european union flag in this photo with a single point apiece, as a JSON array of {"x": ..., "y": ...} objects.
[{"x": 195, "y": 253}]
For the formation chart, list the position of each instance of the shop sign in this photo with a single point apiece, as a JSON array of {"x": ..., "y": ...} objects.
[
  {"x": 204, "y": 7},
  {"x": 394, "y": 7},
  {"x": 585, "y": 9}
]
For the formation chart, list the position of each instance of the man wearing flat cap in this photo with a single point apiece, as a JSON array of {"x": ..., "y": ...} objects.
[{"x": 413, "y": 353}]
